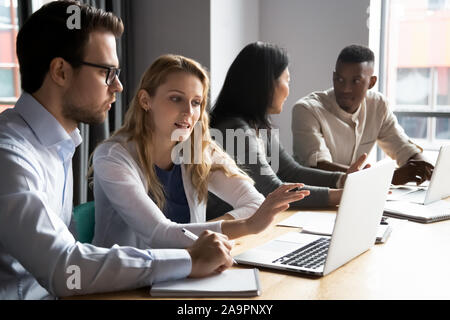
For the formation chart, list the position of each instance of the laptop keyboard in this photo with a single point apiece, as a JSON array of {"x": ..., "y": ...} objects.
[{"x": 310, "y": 256}]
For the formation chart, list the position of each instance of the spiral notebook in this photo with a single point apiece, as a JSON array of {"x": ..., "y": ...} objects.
[
  {"x": 230, "y": 283},
  {"x": 436, "y": 211}
]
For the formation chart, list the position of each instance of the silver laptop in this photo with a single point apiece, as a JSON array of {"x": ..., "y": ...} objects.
[
  {"x": 439, "y": 187},
  {"x": 354, "y": 232}
]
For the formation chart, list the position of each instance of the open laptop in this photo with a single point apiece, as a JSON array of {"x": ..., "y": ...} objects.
[
  {"x": 439, "y": 187},
  {"x": 354, "y": 232}
]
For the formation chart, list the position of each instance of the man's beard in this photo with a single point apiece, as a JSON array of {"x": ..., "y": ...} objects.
[{"x": 83, "y": 114}]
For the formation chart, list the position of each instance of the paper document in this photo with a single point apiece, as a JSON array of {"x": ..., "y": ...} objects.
[
  {"x": 397, "y": 192},
  {"x": 322, "y": 223},
  {"x": 311, "y": 222}
]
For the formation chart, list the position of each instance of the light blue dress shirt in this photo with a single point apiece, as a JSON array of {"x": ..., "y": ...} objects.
[{"x": 39, "y": 256}]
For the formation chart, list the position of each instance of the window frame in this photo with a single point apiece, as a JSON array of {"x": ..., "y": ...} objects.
[
  {"x": 431, "y": 115},
  {"x": 14, "y": 66}
]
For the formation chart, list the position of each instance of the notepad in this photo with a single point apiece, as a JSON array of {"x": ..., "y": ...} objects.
[
  {"x": 322, "y": 223},
  {"x": 433, "y": 212},
  {"x": 230, "y": 283}
]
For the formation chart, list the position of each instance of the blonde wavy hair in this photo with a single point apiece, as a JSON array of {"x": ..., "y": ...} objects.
[{"x": 139, "y": 128}]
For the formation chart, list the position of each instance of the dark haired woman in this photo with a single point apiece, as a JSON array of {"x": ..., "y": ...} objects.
[{"x": 256, "y": 86}]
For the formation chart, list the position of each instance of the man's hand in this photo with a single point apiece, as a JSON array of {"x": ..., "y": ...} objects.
[
  {"x": 414, "y": 170},
  {"x": 356, "y": 166},
  {"x": 210, "y": 254}
]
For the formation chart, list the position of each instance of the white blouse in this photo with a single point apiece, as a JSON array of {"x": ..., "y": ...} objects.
[{"x": 126, "y": 215}]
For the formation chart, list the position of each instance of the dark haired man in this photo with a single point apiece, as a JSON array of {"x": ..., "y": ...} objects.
[
  {"x": 69, "y": 76},
  {"x": 333, "y": 128}
]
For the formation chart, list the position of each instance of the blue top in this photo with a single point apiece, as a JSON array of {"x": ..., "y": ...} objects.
[{"x": 176, "y": 207}]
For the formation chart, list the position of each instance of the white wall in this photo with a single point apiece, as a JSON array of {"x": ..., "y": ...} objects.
[
  {"x": 313, "y": 32},
  {"x": 211, "y": 32},
  {"x": 169, "y": 26},
  {"x": 234, "y": 24}
]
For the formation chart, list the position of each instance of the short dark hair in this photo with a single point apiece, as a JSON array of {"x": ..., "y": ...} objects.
[
  {"x": 45, "y": 36},
  {"x": 249, "y": 85},
  {"x": 356, "y": 54}
]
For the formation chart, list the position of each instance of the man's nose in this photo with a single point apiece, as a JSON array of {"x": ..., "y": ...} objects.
[
  {"x": 347, "y": 86},
  {"x": 116, "y": 86}
]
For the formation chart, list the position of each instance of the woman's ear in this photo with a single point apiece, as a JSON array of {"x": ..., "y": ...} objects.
[{"x": 144, "y": 100}]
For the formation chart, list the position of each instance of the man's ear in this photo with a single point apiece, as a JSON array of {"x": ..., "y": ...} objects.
[
  {"x": 144, "y": 100},
  {"x": 373, "y": 81},
  {"x": 60, "y": 71}
]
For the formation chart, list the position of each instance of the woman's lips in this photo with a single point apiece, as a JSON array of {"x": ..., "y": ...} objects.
[{"x": 183, "y": 125}]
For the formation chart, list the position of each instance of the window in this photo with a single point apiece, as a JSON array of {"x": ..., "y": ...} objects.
[
  {"x": 416, "y": 68},
  {"x": 9, "y": 68}
]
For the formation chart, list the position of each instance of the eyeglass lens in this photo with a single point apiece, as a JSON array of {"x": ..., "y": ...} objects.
[{"x": 113, "y": 72}]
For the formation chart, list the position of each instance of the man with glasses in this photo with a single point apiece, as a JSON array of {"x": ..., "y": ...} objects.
[{"x": 69, "y": 77}]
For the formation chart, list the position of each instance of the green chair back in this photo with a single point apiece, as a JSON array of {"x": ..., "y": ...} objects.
[{"x": 84, "y": 216}]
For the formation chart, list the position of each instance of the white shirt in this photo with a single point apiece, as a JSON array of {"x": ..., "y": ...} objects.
[
  {"x": 126, "y": 215},
  {"x": 322, "y": 131},
  {"x": 36, "y": 246}
]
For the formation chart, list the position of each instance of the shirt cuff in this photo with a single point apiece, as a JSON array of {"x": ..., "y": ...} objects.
[
  {"x": 242, "y": 213},
  {"x": 340, "y": 182},
  {"x": 319, "y": 157},
  {"x": 220, "y": 226},
  {"x": 170, "y": 264},
  {"x": 407, "y": 152}
]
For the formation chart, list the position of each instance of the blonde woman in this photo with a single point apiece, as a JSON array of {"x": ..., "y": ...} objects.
[{"x": 143, "y": 198}]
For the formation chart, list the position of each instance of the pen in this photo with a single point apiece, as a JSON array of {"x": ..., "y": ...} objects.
[
  {"x": 189, "y": 234},
  {"x": 296, "y": 189},
  {"x": 193, "y": 237}
]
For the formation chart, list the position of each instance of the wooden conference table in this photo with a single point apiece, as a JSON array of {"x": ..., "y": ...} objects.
[{"x": 414, "y": 263}]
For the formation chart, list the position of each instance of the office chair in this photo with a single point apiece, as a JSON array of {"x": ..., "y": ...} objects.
[{"x": 84, "y": 216}]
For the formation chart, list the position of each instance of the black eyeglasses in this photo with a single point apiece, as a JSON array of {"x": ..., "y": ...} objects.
[{"x": 110, "y": 76}]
